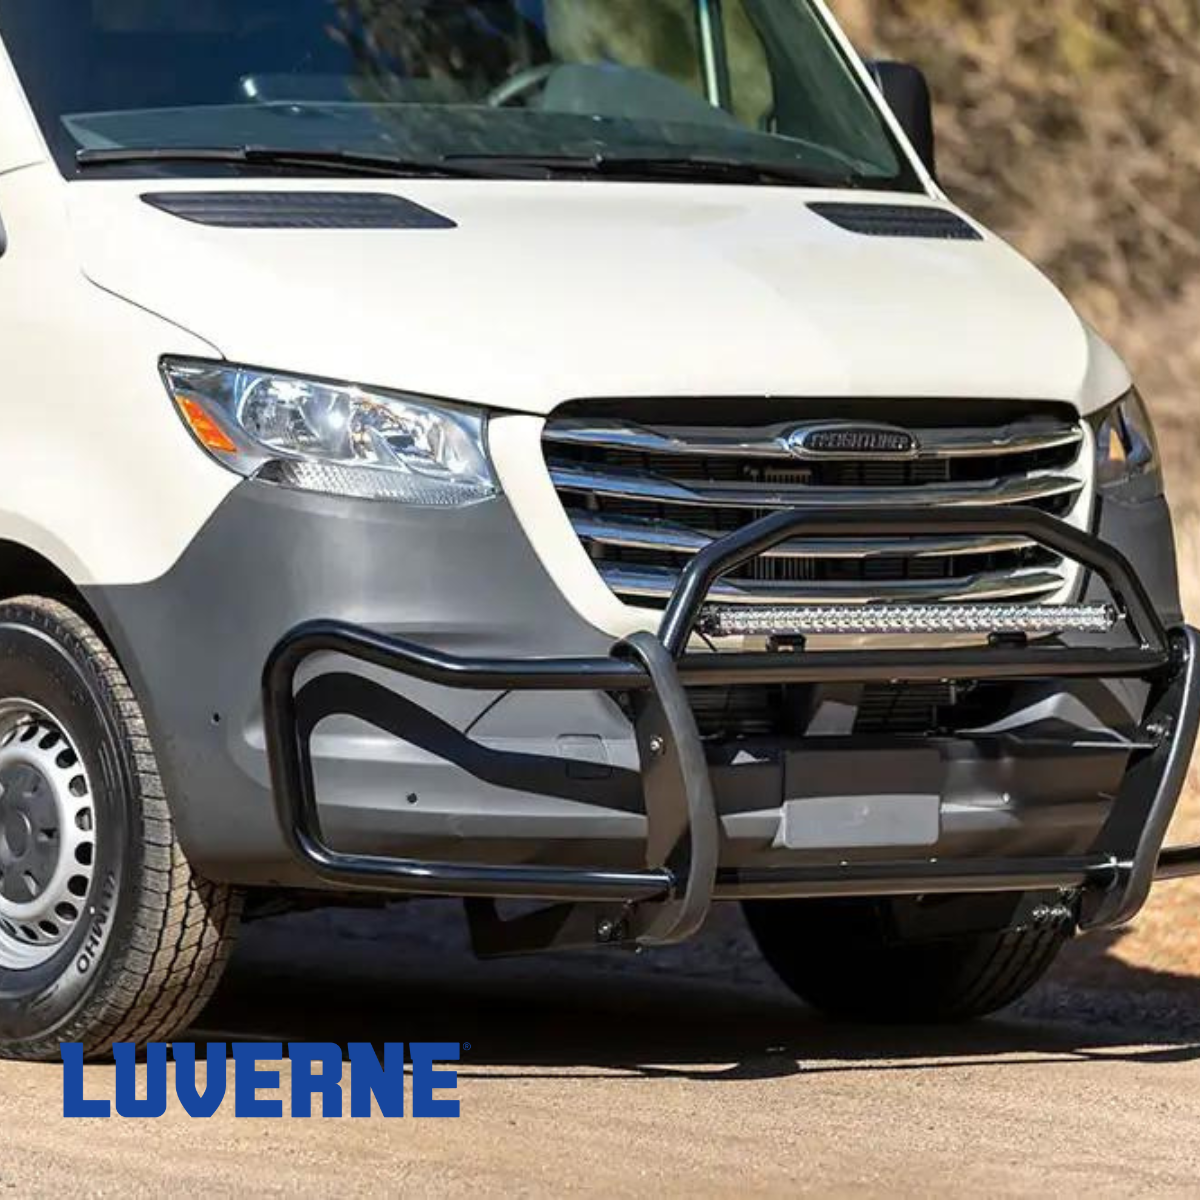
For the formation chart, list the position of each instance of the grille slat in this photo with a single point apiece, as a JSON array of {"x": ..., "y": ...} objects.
[
  {"x": 1019, "y": 438},
  {"x": 641, "y": 533},
  {"x": 644, "y": 496},
  {"x": 631, "y": 485},
  {"x": 657, "y": 583}
]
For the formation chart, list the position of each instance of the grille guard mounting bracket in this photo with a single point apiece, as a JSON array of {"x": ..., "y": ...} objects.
[{"x": 668, "y": 899}]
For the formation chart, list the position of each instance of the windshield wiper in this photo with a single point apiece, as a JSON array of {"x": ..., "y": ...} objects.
[
  {"x": 702, "y": 168},
  {"x": 477, "y": 166},
  {"x": 343, "y": 162}
]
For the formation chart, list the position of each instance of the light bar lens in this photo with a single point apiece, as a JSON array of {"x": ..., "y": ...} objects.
[{"x": 896, "y": 620}]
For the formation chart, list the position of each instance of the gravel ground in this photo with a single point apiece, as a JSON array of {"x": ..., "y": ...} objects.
[{"x": 685, "y": 1071}]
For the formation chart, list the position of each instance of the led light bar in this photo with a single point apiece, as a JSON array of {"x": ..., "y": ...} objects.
[{"x": 882, "y": 619}]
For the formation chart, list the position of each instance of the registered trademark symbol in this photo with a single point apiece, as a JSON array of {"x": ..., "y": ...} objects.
[{"x": 466, "y": 1046}]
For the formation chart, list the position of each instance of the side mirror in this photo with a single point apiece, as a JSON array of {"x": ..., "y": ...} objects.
[{"x": 906, "y": 90}]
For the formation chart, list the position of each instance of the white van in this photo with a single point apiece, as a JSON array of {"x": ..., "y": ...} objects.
[{"x": 564, "y": 454}]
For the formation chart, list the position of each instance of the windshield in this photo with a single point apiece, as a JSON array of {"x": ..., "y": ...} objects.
[{"x": 746, "y": 81}]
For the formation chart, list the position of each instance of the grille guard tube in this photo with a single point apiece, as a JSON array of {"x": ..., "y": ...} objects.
[{"x": 668, "y": 900}]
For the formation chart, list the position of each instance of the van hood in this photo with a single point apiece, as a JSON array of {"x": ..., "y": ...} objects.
[{"x": 541, "y": 292}]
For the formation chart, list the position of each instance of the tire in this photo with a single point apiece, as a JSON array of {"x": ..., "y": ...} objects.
[
  {"x": 839, "y": 957},
  {"x": 106, "y": 935}
]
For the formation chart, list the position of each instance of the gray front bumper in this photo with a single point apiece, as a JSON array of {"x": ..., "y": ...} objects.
[{"x": 193, "y": 643}]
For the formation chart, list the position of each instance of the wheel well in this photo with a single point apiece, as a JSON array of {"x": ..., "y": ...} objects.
[{"x": 25, "y": 572}]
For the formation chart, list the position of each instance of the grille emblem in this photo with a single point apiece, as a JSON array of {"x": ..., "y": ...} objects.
[{"x": 852, "y": 441}]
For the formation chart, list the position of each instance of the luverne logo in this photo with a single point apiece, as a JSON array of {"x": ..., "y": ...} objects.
[{"x": 256, "y": 1069}]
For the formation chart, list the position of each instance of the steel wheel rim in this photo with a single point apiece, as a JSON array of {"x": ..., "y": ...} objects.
[{"x": 47, "y": 835}]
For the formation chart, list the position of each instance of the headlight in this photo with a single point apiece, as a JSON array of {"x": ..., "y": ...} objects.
[
  {"x": 1126, "y": 449},
  {"x": 335, "y": 438}
]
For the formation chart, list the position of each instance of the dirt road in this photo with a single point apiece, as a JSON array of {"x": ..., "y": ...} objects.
[{"x": 690, "y": 1072}]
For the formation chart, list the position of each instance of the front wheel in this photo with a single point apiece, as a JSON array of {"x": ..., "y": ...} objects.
[
  {"x": 844, "y": 958},
  {"x": 106, "y": 935}
]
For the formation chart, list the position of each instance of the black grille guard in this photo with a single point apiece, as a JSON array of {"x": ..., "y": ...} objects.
[{"x": 668, "y": 900}]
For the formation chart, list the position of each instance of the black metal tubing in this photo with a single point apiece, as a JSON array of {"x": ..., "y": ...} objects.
[
  {"x": 729, "y": 553},
  {"x": 917, "y": 878},
  {"x": 683, "y": 830},
  {"x": 393, "y": 654},
  {"x": 914, "y": 666},
  {"x": 1178, "y": 862},
  {"x": 1142, "y": 811},
  {"x": 289, "y": 729},
  {"x": 655, "y": 680}
]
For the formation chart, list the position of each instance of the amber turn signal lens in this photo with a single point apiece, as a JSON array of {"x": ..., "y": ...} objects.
[{"x": 207, "y": 431}]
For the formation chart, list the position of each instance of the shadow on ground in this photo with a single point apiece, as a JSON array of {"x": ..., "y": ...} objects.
[{"x": 709, "y": 1011}]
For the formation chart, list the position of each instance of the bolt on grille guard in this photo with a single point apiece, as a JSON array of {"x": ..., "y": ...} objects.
[{"x": 668, "y": 900}]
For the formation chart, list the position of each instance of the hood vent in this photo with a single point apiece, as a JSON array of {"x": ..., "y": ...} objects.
[
  {"x": 298, "y": 210},
  {"x": 898, "y": 221}
]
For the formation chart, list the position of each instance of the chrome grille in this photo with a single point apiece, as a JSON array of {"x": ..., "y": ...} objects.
[{"x": 646, "y": 491}]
